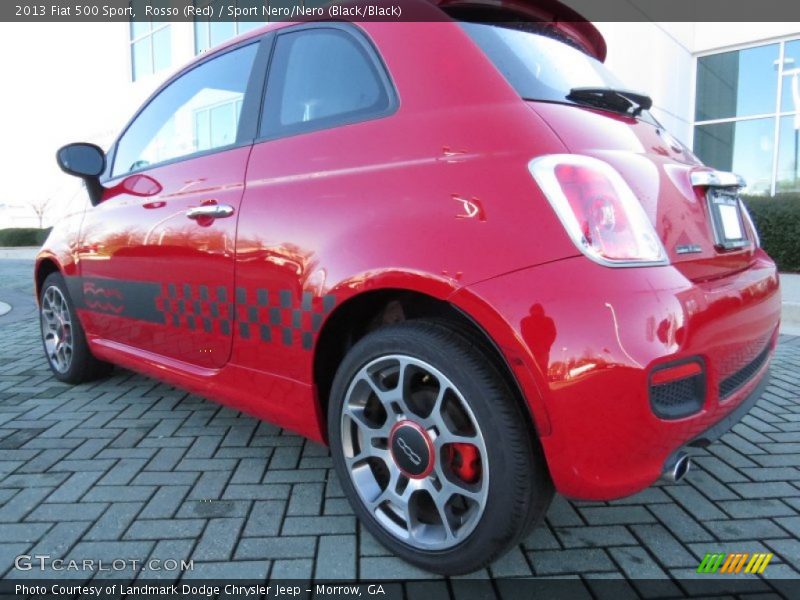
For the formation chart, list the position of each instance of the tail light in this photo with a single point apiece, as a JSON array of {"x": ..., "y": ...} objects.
[
  {"x": 599, "y": 211},
  {"x": 750, "y": 224}
]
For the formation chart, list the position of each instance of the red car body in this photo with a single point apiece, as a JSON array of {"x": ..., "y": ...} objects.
[{"x": 435, "y": 201}]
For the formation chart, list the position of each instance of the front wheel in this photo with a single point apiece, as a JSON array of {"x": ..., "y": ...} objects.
[
  {"x": 62, "y": 335},
  {"x": 432, "y": 448}
]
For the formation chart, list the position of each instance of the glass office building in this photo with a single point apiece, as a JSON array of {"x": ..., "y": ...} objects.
[{"x": 747, "y": 115}]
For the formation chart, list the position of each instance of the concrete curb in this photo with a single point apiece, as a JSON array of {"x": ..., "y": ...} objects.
[
  {"x": 24, "y": 252},
  {"x": 790, "y": 309},
  {"x": 21, "y": 305},
  {"x": 790, "y": 318}
]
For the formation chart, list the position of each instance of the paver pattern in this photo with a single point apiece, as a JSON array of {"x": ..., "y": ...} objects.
[{"x": 127, "y": 467}]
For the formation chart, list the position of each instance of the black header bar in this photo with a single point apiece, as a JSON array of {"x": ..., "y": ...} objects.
[{"x": 66, "y": 11}]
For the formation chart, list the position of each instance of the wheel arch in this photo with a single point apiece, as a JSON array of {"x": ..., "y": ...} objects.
[
  {"x": 371, "y": 309},
  {"x": 44, "y": 266}
]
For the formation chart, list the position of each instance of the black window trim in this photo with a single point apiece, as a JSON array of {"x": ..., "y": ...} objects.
[
  {"x": 248, "y": 120},
  {"x": 360, "y": 37}
]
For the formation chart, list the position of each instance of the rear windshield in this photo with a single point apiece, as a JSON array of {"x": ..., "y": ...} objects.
[{"x": 540, "y": 62}]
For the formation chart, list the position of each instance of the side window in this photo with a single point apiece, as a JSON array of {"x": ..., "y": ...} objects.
[
  {"x": 320, "y": 78},
  {"x": 197, "y": 112}
]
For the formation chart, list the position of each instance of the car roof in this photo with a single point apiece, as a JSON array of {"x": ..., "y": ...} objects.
[{"x": 562, "y": 17}]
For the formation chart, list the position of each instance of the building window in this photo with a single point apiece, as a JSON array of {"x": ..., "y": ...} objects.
[
  {"x": 151, "y": 48},
  {"x": 209, "y": 33},
  {"x": 747, "y": 115}
]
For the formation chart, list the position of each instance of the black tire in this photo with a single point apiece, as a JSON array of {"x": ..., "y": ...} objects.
[
  {"x": 82, "y": 366},
  {"x": 519, "y": 489}
]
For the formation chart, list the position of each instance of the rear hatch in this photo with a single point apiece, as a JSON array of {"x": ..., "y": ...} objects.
[{"x": 546, "y": 68}]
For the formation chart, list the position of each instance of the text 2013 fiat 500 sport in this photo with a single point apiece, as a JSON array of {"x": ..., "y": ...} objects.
[{"x": 461, "y": 254}]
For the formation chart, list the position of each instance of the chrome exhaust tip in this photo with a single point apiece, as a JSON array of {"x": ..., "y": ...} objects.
[{"x": 677, "y": 468}]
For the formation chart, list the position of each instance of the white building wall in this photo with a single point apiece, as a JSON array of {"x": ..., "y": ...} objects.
[
  {"x": 657, "y": 59},
  {"x": 714, "y": 37}
]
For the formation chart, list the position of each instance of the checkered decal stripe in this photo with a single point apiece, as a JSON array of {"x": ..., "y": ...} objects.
[
  {"x": 196, "y": 307},
  {"x": 280, "y": 317},
  {"x": 260, "y": 314}
]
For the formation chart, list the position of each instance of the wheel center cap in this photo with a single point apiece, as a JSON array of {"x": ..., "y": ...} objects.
[{"x": 412, "y": 449}]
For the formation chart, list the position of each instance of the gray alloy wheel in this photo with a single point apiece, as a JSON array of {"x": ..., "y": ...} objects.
[
  {"x": 63, "y": 339},
  {"x": 414, "y": 452},
  {"x": 57, "y": 332}
]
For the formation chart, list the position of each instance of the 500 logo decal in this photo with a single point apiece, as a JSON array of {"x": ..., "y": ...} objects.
[
  {"x": 409, "y": 451},
  {"x": 733, "y": 563}
]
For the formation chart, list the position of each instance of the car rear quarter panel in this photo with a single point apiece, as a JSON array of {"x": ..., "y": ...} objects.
[{"x": 590, "y": 335}]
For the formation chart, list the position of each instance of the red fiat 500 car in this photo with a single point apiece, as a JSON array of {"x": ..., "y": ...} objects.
[{"x": 461, "y": 254}]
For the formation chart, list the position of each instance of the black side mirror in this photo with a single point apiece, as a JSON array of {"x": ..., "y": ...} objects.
[
  {"x": 86, "y": 161},
  {"x": 81, "y": 160}
]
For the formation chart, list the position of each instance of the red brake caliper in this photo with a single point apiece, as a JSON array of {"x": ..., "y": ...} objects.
[{"x": 465, "y": 462}]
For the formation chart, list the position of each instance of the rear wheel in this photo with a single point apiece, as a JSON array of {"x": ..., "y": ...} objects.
[
  {"x": 62, "y": 335},
  {"x": 432, "y": 448}
]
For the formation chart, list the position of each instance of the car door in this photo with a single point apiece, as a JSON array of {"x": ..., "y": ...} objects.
[
  {"x": 157, "y": 254},
  {"x": 326, "y": 96}
]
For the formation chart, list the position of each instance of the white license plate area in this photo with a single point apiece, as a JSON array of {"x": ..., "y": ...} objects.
[{"x": 727, "y": 221}]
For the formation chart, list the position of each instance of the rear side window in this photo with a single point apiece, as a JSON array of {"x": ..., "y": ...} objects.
[
  {"x": 540, "y": 62},
  {"x": 196, "y": 113},
  {"x": 321, "y": 78}
]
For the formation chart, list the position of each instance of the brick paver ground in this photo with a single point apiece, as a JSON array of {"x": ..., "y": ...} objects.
[{"x": 130, "y": 468}]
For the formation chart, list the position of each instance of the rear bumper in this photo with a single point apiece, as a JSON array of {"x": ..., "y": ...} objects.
[
  {"x": 721, "y": 427},
  {"x": 589, "y": 338}
]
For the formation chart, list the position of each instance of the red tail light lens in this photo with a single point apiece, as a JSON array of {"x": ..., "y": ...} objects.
[
  {"x": 751, "y": 225},
  {"x": 598, "y": 209}
]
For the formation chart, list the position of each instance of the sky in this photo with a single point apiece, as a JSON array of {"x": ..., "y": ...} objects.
[{"x": 61, "y": 84}]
